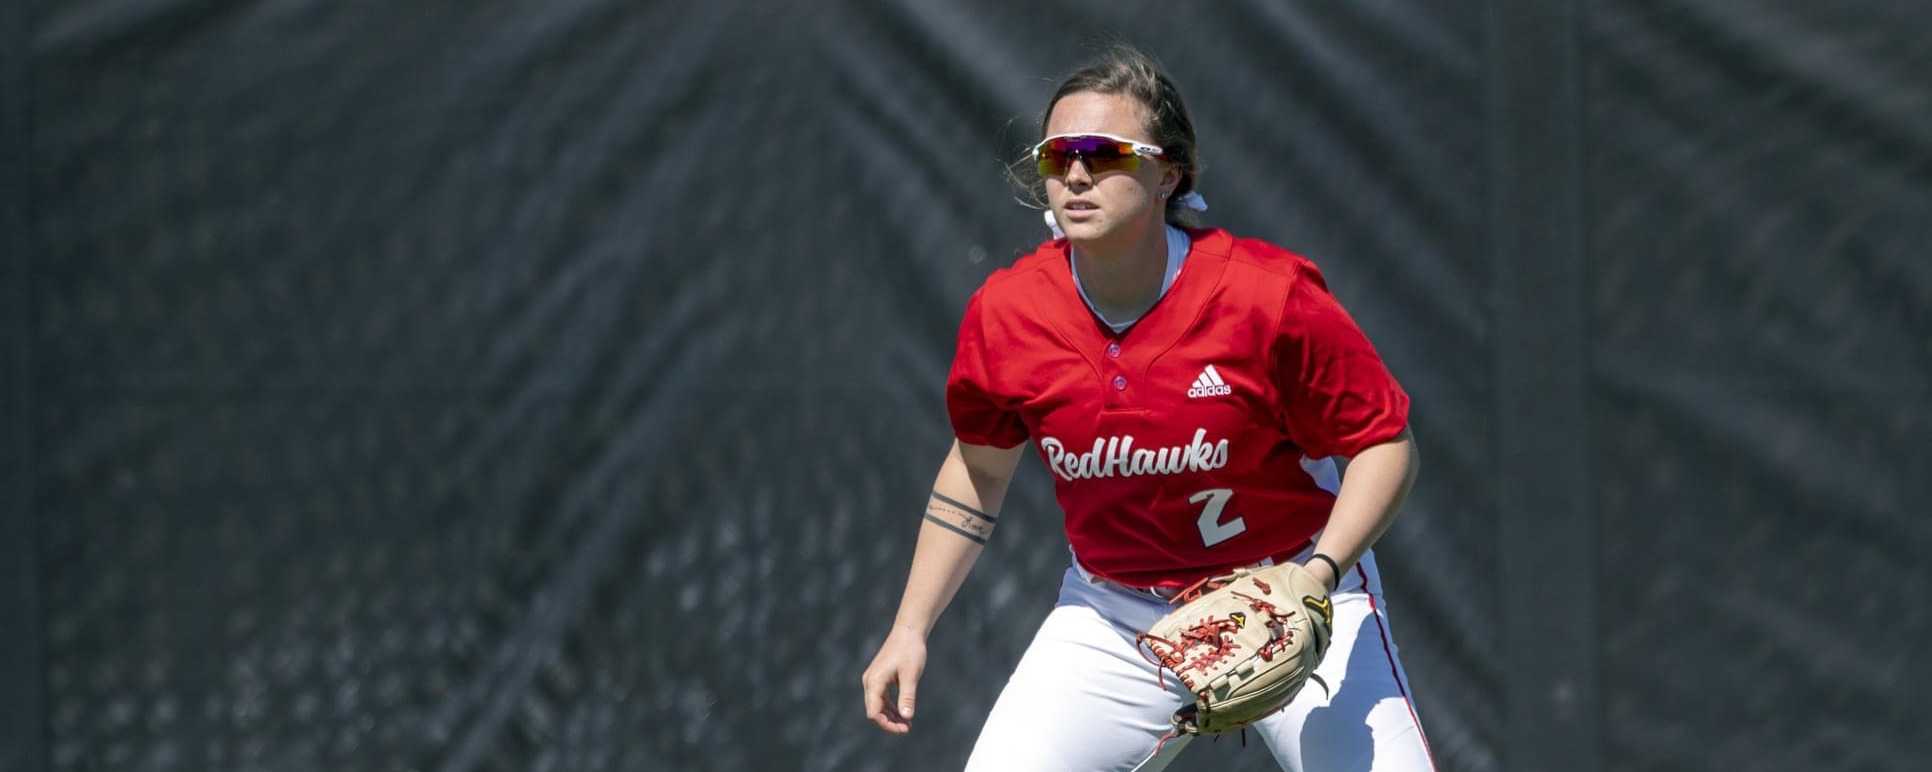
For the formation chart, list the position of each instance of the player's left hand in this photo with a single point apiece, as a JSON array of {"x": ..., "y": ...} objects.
[{"x": 1244, "y": 648}]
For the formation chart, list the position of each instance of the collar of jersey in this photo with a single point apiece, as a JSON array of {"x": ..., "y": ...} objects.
[
  {"x": 1177, "y": 245},
  {"x": 1159, "y": 329}
]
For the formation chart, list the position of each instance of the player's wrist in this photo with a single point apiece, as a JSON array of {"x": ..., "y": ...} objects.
[
  {"x": 914, "y": 629},
  {"x": 1334, "y": 570}
]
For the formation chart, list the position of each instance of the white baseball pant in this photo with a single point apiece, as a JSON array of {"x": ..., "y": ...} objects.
[{"x": 1083, "y": 699}]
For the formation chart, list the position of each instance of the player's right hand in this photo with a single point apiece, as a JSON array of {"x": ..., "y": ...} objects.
[{"x": 900, "y": 661}]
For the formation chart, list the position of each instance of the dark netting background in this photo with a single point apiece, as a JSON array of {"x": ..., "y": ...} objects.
[
  {"x": 555, "y": 385},
  {"x": 1761, "y": 189}
]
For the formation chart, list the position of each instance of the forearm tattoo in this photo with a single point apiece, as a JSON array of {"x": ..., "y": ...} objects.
[{"x": 955, "y": 516}]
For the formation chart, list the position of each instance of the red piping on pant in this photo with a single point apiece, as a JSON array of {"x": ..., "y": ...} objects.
[{"x": 1389, "y": 651}]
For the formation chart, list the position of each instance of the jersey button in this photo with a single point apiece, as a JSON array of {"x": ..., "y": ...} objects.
[
  {"x": 1120, "y": 383},
  {"x": 1113, "y": 350}
]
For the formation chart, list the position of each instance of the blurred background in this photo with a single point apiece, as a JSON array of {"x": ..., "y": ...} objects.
[{"x": 556, "y": 385}]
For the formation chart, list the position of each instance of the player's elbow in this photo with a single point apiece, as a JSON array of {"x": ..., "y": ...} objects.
[{"x": 1407, "y": 439}]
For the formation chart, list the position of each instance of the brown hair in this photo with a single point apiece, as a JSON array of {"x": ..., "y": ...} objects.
[{"x": 1123, "y": 69}]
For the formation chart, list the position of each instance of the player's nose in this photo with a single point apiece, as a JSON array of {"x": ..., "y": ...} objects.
[{"x": 1078, "y": 175}]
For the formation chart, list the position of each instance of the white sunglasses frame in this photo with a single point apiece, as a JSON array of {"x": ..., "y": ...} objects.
[{"x": 1141, "y": 149}]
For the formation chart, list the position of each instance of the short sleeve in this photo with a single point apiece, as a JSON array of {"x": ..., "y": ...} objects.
[
  {"x": 1337, "y": 395},
  {"x": 982, "y": 414}
]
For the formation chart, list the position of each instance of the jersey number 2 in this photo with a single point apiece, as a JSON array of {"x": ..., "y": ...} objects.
[{"x": 1213, "y": 531}]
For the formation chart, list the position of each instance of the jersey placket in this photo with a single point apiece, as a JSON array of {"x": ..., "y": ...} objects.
[
  {"x": 1122, "y": 359},
  {"x": 1126, "y": 358},
  {"x": 1114, "y": 378}
]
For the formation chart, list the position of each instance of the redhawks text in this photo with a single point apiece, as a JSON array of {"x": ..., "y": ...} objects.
[{"x": 1116, "y": 456}]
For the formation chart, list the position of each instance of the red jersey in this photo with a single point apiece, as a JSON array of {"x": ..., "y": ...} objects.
[{"x": 1176, "y": 446}]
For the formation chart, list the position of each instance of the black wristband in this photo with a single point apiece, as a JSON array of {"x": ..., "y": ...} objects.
[{"x": 1331, "y": 566}]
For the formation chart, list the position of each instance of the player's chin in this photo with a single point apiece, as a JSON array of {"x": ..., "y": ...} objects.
[{"x": 1093, "y": 228}]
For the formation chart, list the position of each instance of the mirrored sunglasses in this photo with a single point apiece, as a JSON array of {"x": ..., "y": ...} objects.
[{"x": 1100, "y": 152}]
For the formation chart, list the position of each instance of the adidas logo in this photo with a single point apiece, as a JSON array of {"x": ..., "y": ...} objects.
[{"x": 1209, "y": 384}]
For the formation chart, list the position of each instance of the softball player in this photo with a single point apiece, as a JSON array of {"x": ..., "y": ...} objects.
[{"x": 1189, "y": 391}]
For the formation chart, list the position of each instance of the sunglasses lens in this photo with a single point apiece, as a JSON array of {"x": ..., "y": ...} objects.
[
  {"x": 1100, "y": 155},
  {"x": 1053, "y": 163}
]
